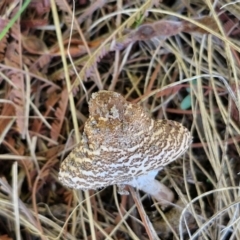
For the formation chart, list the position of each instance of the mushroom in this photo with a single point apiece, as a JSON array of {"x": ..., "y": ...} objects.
[{"x": 122, "y": 145}]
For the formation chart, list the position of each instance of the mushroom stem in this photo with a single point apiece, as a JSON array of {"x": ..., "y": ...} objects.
[
  {"x": 160, "y": 192},
  {"x": 148, "y": 184}
]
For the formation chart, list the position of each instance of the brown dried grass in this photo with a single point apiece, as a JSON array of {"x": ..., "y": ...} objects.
[{"x": 58, "y": 53}]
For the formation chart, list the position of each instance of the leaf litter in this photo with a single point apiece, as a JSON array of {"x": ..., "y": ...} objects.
[{"x": 152, "y": 62}]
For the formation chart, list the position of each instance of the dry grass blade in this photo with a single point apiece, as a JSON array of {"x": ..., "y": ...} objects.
[
  {"x": 148, "y": 225},
  {"x": 7, "y": 119},
  {"x": 60, "y": 113},
  {"x": 179, "y": 60},
  {"x": 15, "y": 200},
  {"x": 102, "y": 49}
]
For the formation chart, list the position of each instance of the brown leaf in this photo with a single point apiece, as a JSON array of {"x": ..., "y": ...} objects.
[
  {"x": 17, "y": 95},
  {"x": 168, "y": 28},
  {"x": 3, "y": 23},
  {"x": 162, "y": 28},
  {"x": 43, "y": 61},
  {"x": 6, "y": 115},
  {"x": 11, "y": 55},
  {"x": 60, "y": 115},
  {"x": 3, "y": 42},
  {"x": 5, "y": 237},
  {"x": 33, "y": 23},
  {"x": 206, "y": 20},
  {"x": 34, "y": 45},
  {"x": 59, "y": 74},
  {"x": 169, "y": 91},
  {"x": 53, "y": 151},
  {"x": 74, "y": 51},
  {"x": 76, "y": 48},
  {"x": 41, "y": 7}
]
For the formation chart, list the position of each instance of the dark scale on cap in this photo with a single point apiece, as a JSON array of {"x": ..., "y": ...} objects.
[{"x": 121, "y": 142}]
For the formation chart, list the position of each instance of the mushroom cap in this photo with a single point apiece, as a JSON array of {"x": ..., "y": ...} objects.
[{"x": 121, "y": 142}]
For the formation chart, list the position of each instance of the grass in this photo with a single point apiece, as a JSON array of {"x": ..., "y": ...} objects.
[{"x": 56, "y": 54}]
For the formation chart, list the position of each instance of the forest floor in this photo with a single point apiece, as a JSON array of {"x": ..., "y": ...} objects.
[{"x": 180, "y": 60}]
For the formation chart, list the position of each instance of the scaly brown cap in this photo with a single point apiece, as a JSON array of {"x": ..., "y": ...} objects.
[{"x": 121, "y": 142}]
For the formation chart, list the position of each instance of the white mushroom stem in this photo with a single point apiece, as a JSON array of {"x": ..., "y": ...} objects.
[{"x": 148, "y": 184}]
